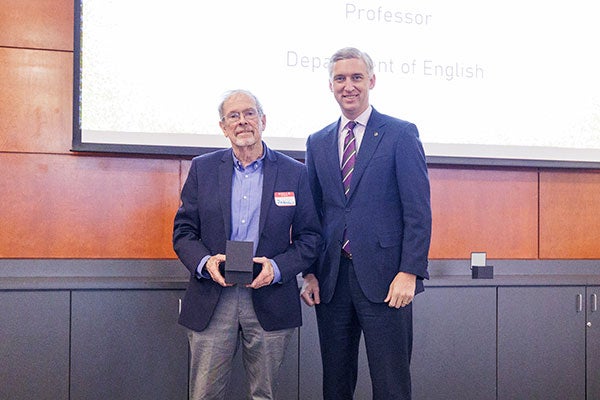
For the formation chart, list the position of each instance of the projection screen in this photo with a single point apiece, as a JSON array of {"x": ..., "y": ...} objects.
[{"x": 486, "y": 82}]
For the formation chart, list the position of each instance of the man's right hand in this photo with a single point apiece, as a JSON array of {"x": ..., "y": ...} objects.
[
  {"x": 310, "y": 290},
  {"x": 212, "y": 266}
]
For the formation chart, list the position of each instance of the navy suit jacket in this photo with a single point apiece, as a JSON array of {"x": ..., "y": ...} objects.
[
  {"x": 288, "y": 234},
  {"x": 387, "y": 212}
]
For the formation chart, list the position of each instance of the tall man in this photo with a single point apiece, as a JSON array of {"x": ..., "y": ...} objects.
[
  {"x": 248, "y": 193},
  {"x": 369, "y": 178}
]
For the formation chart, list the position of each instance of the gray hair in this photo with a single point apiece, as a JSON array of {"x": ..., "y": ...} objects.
[
  {"x": 231, "y": 93},
  {"x": 348, "y": 53}
]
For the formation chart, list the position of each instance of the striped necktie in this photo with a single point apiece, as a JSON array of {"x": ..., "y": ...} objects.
[
  {"x": 348, "y": 157},
  {"x": 348, "y": 160}
]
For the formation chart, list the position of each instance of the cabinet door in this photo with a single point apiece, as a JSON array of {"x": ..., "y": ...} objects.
[
  {"x": 593, "y": 343},
  {"x": 454, "y": 344},
  {"x": 126, "y": 344},
  {"x": 34, "y": 345},
  {"x": 541, "y": 343}
]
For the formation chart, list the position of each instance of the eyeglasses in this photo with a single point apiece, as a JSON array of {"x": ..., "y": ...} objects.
[{"x": 250, "y": 114}]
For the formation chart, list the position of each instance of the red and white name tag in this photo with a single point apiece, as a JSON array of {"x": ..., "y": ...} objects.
[{"x": 285, "y": 199}]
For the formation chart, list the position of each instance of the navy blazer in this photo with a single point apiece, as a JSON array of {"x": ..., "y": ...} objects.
[
  {"x": 387, "y": 212},
  {"x": 288, "y": 234}
]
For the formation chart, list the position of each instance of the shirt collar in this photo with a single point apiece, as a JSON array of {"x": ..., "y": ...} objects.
[
  {"x": 253, "y": 166},
  {"x": 362, "y": 119}
]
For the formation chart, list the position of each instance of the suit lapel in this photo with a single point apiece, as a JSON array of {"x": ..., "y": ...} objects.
[
  {"x": 332, "y": 155},
  {"x": 269, "y": 177},
  {"x": 373, "y": 134},
  {"x": 225, "y": 176}
]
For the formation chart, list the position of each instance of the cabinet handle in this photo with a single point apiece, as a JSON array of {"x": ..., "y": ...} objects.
[
  {"x": 579, "y": 302},
  {"x": 179, "y": 306},
  {"x": 594, "y": 302}
]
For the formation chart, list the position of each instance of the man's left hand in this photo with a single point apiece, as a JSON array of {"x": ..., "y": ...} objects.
[
  {"x": 402, "y": 290},
  {"x": 266, "y": 275}
]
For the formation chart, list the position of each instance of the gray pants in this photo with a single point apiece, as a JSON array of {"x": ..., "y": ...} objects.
[{"x": 213, "y": 350}]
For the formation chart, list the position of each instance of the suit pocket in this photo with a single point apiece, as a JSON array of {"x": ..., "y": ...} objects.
[{"x": 390, "y": 239}]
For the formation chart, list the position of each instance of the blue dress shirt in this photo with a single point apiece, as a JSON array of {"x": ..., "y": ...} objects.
[{"x": 246, "y": 194}]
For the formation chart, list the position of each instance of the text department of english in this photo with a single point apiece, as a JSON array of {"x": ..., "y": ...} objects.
[{"x": 427, "y": 68}]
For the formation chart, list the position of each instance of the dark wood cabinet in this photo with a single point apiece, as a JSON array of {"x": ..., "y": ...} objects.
[
  {"x": 126, "y": 344},
  {"x": 34, "y": 345},
  {"x": 506, "y": 338},
  {"x": 454, "y": 344},
  {"x": 593, "y": 342},
  {"x": 541, "y": 343}
]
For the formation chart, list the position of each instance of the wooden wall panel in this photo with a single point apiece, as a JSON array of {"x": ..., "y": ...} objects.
[
  {"x": 36, "y": 101},
  {"x": 40, "y": 24},
  {"x": 495, "y": 211},
  {"x": 64, "y": 206},
  {"x": 570, "y": 214},
  {"x": 56, "y": 204}
]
